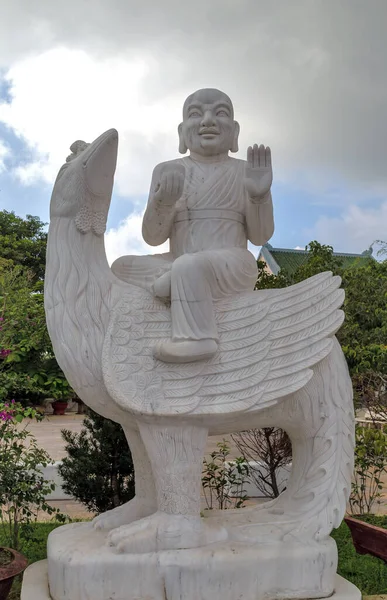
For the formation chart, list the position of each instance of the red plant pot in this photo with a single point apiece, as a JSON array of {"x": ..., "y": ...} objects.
[
  {"x": 367, "y": 538},
  {"x": 9, "y": 572},
  {"x": 59, "y": 407}
]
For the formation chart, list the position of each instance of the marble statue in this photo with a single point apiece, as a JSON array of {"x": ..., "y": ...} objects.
[
  {"x": 178, "y": 346},
  {"x": 208, "y": 204}
]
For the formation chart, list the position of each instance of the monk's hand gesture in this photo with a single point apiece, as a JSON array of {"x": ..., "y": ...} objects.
[
  {"x": 258, "y": 173},
  {"x": 170, "y": 186}
]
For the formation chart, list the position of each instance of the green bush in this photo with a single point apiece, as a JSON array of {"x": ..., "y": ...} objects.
[
  {"x": 223, "y": 480},
  {"x": 370, "y": 467},
  {"x": 98, "y": 470},
  {"x": 23, "y": 489}
]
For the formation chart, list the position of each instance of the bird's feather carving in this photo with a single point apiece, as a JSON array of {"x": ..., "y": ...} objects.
[{"x": 268, "y": 345}]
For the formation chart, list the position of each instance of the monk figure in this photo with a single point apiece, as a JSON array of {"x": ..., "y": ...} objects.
[{"x": 208, "y": 205}]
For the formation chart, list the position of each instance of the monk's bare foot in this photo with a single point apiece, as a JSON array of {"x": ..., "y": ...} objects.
[
  {"x": 185, "y": 351},
  {"x": 123, "y": 515},
  {"x": 162, "y": 286},
  {"x": 162, "y": 531}
]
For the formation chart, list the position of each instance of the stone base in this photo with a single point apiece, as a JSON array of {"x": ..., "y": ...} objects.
[
  {"x": 35, "y": 587},
  {"x": 82, "y": 567}
]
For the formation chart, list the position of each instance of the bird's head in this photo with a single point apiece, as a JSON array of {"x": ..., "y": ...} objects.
[{"x": 84, "y": 184}]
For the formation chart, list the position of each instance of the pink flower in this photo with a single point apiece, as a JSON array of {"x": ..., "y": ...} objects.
[{"x": 6, "y": 416}]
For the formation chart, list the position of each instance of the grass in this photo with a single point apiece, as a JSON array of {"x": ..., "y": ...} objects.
[
  {"x": 34, "y": 549},
  {"x": 369, "y": 574}
]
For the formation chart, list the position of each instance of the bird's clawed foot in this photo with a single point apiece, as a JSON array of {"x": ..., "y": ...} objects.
[
  {"x": 125, "y": 514},
  {"x": 162, "y": 531}
]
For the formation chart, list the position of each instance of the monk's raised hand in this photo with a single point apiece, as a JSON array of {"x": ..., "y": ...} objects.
[
  {"x": 170, "y": 187},
  {"x": 258, "y": 172}
]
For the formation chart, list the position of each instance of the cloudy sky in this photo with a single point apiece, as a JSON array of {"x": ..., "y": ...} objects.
[{"x": 307, "y": 77}]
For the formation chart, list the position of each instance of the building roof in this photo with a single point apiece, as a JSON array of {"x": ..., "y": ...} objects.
[{"x": 290, "y": 259}]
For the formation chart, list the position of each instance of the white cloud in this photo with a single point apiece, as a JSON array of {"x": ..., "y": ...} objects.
[
  {"x": 297, "y": 80},
  {"x": 127, "y": 239},
  {"x": 4, "y": 153},
  {"x": 64, "y": 95},
  {"x": 354, "y": 230}
]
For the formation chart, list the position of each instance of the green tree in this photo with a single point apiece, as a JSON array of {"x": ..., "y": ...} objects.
[
  {"x": 23, "y": 242},
  {"x": 320, "y": 259},
  {"x": 23, "y": 334},
  {"x": 364, "y": 332},
  {"x": 98, "y": 470},
  {"x": 28, "y": 368},
  {"x": 363, "y": 335}
]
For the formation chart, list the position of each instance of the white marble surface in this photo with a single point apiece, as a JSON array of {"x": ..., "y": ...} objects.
[
  {"x": 79, "y": 560},
  {"x": 35, "y": 584},
  {"x": 208, "y": 205},
  {"x": 134, "y": 343}
]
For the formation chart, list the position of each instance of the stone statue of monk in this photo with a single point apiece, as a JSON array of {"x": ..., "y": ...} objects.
[{"x": 208, "y": 205}]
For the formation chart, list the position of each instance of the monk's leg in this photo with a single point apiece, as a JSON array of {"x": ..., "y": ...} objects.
[
  {"x": 144, "y": 271},
  {"x": 196, "y": 280},
  {"x": 194, "y": 331}
]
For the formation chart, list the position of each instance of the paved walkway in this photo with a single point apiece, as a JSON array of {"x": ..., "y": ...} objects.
[{"x": 48, "y": 435}]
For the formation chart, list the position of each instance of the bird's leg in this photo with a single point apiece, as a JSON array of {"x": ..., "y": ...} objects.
[
  {"x": 144, "y": 503},
  {"x": 176, "y": 455}
]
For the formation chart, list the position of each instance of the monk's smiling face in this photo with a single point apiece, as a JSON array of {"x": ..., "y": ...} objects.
[{"x": 208, "y": 126}]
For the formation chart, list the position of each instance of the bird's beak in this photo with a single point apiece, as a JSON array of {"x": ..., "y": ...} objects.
[{"x": 99, "y": 161}]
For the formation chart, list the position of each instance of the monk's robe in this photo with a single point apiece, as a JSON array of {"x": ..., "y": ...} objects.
[{"x": 208, "y": 230}]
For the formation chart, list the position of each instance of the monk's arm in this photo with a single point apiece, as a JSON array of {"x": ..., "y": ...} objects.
[
  {"x": 259, "y": 220},
  {"x": 158, "y": 217}
]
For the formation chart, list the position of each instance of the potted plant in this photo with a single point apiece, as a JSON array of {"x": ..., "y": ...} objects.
[
  {"x": 12, "y": 563},
  {"x": 23, "y": 488},
  {"x": 59, "y": 390},
  {"x": 59, "y": 406}
]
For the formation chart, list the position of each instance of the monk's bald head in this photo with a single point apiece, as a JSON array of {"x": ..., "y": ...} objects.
[
  {"x": 207, "y": 97},
  {"x": 208, "y": 127}
]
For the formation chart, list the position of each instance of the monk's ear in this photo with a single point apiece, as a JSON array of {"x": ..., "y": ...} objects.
[
  {"x": 234, "y": 142},
  {"x": 182, "y": 145}
]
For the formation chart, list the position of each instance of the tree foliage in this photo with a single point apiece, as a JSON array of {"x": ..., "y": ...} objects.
[
  {"x": 23, "y": 489},
  {"x": 23, "y": 242},
  {"x": 98, "y": 470},
  {"x": 28, "y": 368},
  {"x": 224, "y": 480},
  {"x": 363, "y": 335},
  {"x": 364, "y": 332},
  {"x": 370, "y": 469}
]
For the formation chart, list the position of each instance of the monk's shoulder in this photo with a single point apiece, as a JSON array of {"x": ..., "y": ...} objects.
[{"x": 167, "y": 164}]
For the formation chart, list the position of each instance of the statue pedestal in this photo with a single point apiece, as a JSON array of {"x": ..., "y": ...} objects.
[{"x": 81, "y": 566}]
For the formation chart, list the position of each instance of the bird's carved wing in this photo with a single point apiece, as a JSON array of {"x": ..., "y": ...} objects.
[{"x": 268, "y": 342}]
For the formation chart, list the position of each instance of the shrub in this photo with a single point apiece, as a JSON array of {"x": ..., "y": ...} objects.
[
  {"x": 98, "y": 470},
  {"x": 370, "y": 466},
  {"x": 223, "y": 480},
  {"x": 23, "y": 489}
]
